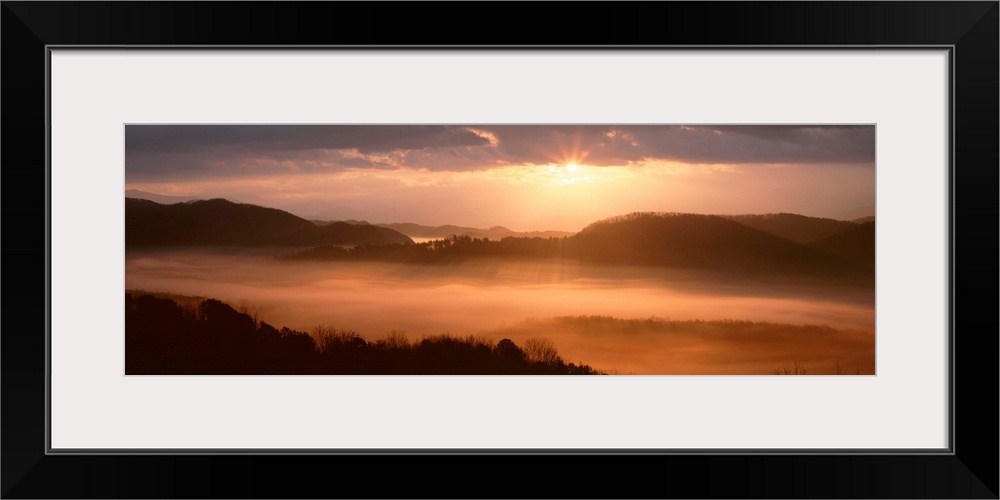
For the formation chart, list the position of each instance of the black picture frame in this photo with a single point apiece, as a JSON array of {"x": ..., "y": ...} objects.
[{"x": 970, "y": 470}]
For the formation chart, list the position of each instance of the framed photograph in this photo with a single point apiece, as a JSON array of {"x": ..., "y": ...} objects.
[{"x": 723, "y": 253}]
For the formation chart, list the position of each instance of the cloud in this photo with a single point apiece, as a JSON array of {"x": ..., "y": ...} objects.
[
  {"x": 703, "y": 144},
  {"x": 364, "y": 138},
  {"x": 212, "y": 151}
]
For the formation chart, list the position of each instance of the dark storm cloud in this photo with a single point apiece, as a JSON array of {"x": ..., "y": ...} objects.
[{"x": 201, "y": 151}]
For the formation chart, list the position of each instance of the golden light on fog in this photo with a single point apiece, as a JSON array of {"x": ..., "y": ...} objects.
[{"x": 636, "y": 294}]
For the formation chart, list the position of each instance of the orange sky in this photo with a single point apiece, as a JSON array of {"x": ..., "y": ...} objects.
[{"x": 524, "y": 177}]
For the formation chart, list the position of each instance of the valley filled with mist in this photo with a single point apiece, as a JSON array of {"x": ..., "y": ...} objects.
[{"x": 642, "y": 293}]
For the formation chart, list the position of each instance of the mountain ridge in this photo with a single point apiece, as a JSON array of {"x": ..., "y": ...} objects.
[
  {"x": 222, "y": 222},
  {"x": 494, "y": 233},
  {"x": 698, "y": 241},
  {"x": 675, "y": 240}
]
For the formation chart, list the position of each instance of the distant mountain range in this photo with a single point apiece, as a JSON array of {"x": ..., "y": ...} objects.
[
  {"x": 855, "y": 213},
  {"x": 170, "y": 200},
  {"x": 669, "y": 240},
  {"x": 786, "y": 243},
  {"x": 493, "y": 233},
  {"x": 793, "y": 227},
  {"x": 159, "y": 198},
  {"x": 222, "y": 222}
]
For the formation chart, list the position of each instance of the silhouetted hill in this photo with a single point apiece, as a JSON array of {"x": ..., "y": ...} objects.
[
  {"x": 856, "y": 245},
  {"x": 700, "y": 242},
  {"x": 163, "y": 337},
  {"x": 691, "y": 241},
  {"x": 794, "y": 227},
  {"x": 222, "y": 222},
  {"x": 493, "y": 233}
]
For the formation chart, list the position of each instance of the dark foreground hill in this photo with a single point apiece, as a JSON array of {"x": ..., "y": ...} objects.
[
  {"x": 221, "y": 222},
  {"x": 165, "y": 338}
]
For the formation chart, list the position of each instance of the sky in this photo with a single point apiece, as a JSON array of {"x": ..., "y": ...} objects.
[{"x": 523, "y": 177}]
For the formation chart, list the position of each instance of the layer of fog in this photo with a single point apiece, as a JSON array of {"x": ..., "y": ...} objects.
[
  {"x": 654, "y": 346},
  {"x": 497, "y": 298}
]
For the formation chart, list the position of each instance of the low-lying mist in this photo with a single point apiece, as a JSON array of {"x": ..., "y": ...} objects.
[
  {"x": 519, "y": 300},
  {"x": 658, "y": 346}
]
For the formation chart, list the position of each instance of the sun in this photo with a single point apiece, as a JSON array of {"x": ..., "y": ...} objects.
[{"x": 571, "y": 167}]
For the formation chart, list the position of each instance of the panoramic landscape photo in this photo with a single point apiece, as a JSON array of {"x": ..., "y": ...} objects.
[{"x": 499, "y": 249}]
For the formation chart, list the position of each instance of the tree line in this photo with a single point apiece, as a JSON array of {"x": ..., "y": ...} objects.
[
  {"x": 643, "y": 239},
  {"x": 455, "y": 248},
  {"x": 162, "y": 337}
]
